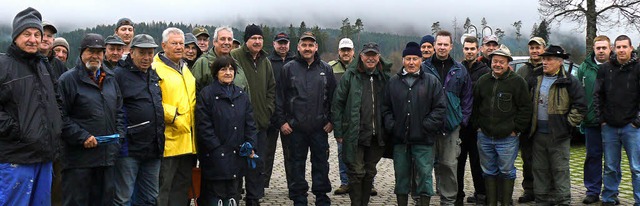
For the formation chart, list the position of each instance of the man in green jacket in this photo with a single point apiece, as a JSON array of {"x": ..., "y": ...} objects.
[
  {"x": 536, "y": 47},
  {"x": 222, "y": 38},
  {"x": 501, "y": 111},
  {"x": 262, "y": 94},
  {"x": 587, "y": 76},
  {"x": 356, "y": 112}
]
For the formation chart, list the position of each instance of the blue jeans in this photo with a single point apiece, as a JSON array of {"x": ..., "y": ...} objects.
[
  {"x": 344, "y": 180},
  {"x": 613, "y": 140},
  {"x": 300, "y": 145},
  {"x": 593, "y": 161},
  {"x": 26, "y": 184},
  {"x": 137, "y": 181},
  {"x": 498, "y": 155}
]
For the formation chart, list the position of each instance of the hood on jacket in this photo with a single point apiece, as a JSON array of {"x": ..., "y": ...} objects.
[{"x": 614, "y": 59}]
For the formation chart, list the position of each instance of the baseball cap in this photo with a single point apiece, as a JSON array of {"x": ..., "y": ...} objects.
[
  {"x": 200, "y": 31},
  {"x": 46, "y": 24},
  {"x": 143, "y": 41},
  {"x": 490, "y": 38},
  {"x": 345, "y": 43},
  {"x": 308, "y": 35},
  {"x": 370, "y": 47},
  {"x": 92, "y": 40},
  {"x": 538, "y": 40},
  {"x": 281, "y": 37},
  {"x": 114, "y": 39},
  {"x": 124, "y": 21}
]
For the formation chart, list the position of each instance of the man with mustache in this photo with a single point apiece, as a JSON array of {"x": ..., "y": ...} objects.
[
  {"x": 489, "y": 44},
  {"x": 345, "y": 56},
  {"x": 303, "y": 112},
  {"x": 281, "y": 56},
  {"x": 114, "y": 51},
  {"x": 138, "y": 167},
  {"x": 468, "y": 134},
  {"x": 262, "y": 93},
  {"x": 457, "y": 85},
  {"x": 356, "y": 112},
  {"x": 178, "y": 88},
  {"x": 29, "y": 144},
  {"x": 222, "y": 38},
  {"x": 536, "y": 48},
  {"x": 592, "y": 132},
  {"x": 125, "y": 30},
  {"x": 616, "y": 100},
  {"x": 426, "y": 46},
  {"x": 93, "y": 126}
]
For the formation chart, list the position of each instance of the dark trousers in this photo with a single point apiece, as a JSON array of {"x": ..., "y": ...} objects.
[
  {"x": 272, "y": 143},
  {"x": 300, "y": 144},
  {"x": 88, "y": 186},
  {"x": 469, "y": 145},
  {"x": 254, "y": 178},
  {"x": 552, "y": 181},
  {"x": 593, "y": 161},
  {"x": 526, "y": 153},
  {"x": 362, "y": 170},
  {"x": 175, "y": 180},
  {"x": 213, "y": 191},
  {"x": 56, "y": 187}
]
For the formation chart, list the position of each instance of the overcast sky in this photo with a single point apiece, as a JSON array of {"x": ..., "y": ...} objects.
[{"x": 397, "y": 16}]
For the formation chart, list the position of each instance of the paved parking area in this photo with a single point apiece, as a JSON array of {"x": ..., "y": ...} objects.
[{"x": 277, "y": 193}]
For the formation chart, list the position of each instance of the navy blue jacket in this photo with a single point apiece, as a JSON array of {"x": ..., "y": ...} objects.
[
  {"x": 30, "y": 120},
  {"x": 458, "y": 93},
  {"x": 88, "y": 111},
  {"x": 225, "y": 121},
  {"x": 413, "y": 114},
  {"x": 142, "y": 106},
  {"x": 304, "y": 95},
  {"x": 276, "y": 64}
]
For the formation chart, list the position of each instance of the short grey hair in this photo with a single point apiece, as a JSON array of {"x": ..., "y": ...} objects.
[
  {"x": 171, "y": 30},
  {"x": 226, "y": 28}
]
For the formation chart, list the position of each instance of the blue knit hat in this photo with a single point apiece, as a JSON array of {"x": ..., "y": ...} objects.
[
  {"x": 427, "y": 38},
  {"x": 28, "y": 18},
  {"x": 412, "y": 48}
]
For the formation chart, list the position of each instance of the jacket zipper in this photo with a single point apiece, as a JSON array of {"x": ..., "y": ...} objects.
[
  {"x": 493, "y": 99},
  {"x": 373, "y": 113}
]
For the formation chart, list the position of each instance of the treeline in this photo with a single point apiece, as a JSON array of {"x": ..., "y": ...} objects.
[{"x": 391, "y": 45}]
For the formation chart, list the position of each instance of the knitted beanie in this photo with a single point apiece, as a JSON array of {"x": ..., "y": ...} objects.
[
  {"x": 28, "y": 18},
  {"x": 251, "y": 30},
  {"x": 427, "y": 38},
  {"x": 412, "y": 48}
]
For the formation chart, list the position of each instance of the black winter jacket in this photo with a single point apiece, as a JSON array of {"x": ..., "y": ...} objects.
[
  {"x": 276, "y": 64},
  {"x": 304, "y": 95},
  {"x": 88, "y": 111},
  {"x": 143, "y": 113},
  {"x": 617, "y": 92},
  {"x": 476, "y": 69},
  {"x": 30, "y": 119},
  {"x": 414, "y": 114},
  {"x": 57, "y": 66},
  {"x": 225, "y": 121}
]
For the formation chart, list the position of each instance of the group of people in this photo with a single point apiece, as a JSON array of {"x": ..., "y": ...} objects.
[{"x": 126, "y": 125}]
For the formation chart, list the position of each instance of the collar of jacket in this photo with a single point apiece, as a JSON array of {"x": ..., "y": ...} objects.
[
  {"x": 382, "y": 67},
  {"x": 472, "y": 65},
  {"x": 128, "y": 64},
  {"x": 219, "y": 91},
  {"x": 562, "y": 75},
  {"x": 420, "y": 74},
  {"x": 23, "y": 56},
  {"x": 427, "y": 64},
  {"x": 261, "y": 53},
  {"x": 504, "y": 76},
  {"x": 316, "y": 58},
  {"x": 614, "y": 60},
  {"x": 170, "y": 63},
  {"x": 275, "y": 57},
  {"x": 82, "y": 72}
]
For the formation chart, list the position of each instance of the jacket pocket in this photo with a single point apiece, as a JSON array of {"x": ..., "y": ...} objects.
[
  {"x": 505, "y": 101},
  {"x": 454, "y": 112}
]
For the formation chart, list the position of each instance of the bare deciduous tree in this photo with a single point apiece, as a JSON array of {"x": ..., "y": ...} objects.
[{"x": 607, "y": 14}]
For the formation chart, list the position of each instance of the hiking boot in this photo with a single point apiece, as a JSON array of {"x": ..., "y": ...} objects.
[
  {"x": 374, "y": 192},
  {"x": 590, "y": 199},
  {"x": 526, "y": 197},
  {"x": 343, "y": 189}
]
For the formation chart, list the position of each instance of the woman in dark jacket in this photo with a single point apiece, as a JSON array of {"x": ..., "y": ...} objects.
[{"x": 224, "y": 122}]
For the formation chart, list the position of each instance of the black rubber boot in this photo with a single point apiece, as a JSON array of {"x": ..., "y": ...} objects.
[
  {"x": 424, "y": 201},
  {"x": 355, "y": 193},
  {"x": 507, "y": 191},
  {"x": 403, "y": 200},
  {"x": 491, "y": 187}
]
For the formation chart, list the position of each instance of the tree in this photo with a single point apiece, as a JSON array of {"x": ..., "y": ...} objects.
[
  {"x": 499, "y": 33},
  {"x": 467, "y": 24},
  {"x": 542, "y": 31},
  {"x": 358, "y": 26},
  {"x": 435, "y": 28},
  {"x": 321, "y": 38},
  {"x": 346, "y": 30},
  {"x": 612, "y": 14},
  {"x": 534, "y": 30},
  {"x": 293, "y": 39},
  {"x": 302, "y": 28},
  {"x": 518, "y": 26}
]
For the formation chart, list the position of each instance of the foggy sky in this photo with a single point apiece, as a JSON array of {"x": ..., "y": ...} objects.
[{"x": 408, "y": 17}]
